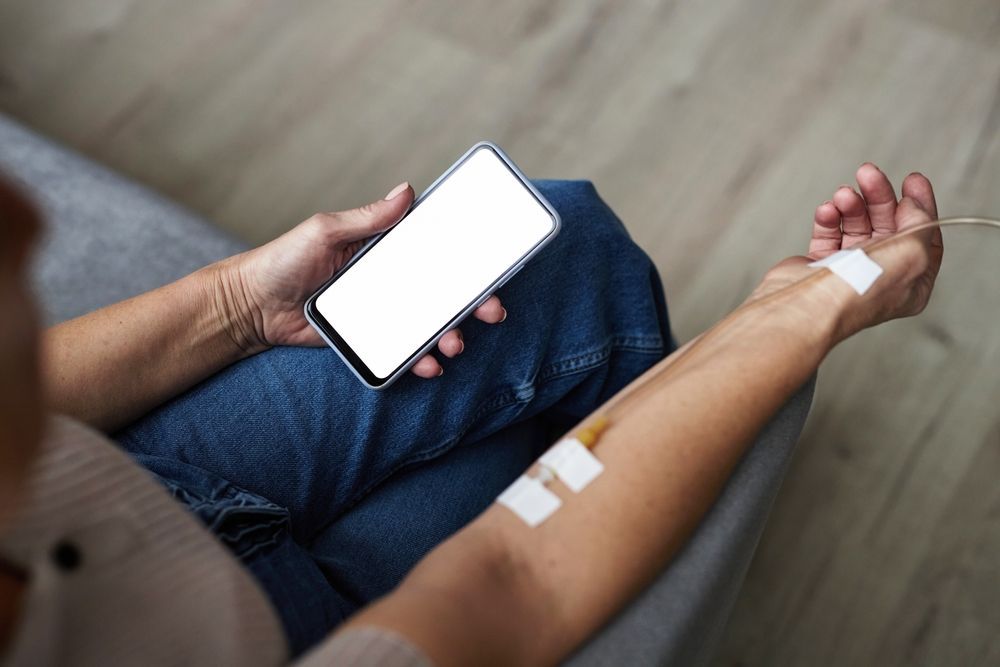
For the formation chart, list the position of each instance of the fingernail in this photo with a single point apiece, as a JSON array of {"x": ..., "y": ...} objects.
[
  {"x": 398, "y": 190},
  {"x": 504, "y": 315},
  {"x": 440, "y": 372}
]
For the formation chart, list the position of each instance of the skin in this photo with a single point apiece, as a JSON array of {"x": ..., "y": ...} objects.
[
  {"x": 214, "y": 317},
  {"x": 482, "y": 595}
]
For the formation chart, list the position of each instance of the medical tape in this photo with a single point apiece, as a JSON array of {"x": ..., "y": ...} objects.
[
  {"x": 572, "y": 463},
  {"x": 854, "y": 267},
  {"x": 528, "y": 498},
  {"x": 569, "y": 461}
]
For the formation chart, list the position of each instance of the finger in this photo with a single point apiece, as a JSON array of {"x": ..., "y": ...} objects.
[
  {"x": 854, "y": 216},
  {"x": 911, "y": 213},
  {"x": 427, "y": 367},
  {"x": 492, "y": 311},
  {"x": 826, "y": 235},
  {"x": 918, "y": 187},
  {"x": 880, "y": 199},
  {"x": 370, "y": 219},
  {"x": 451, "y": 344}
]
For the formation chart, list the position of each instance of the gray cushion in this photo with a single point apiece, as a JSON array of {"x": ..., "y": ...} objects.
[{"x": 106, "y": 238}]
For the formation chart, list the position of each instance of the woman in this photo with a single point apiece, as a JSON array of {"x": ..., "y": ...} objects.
[{"x": 100, "y": 565}]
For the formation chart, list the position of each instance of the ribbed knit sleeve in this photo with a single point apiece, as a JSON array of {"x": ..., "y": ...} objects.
[
  {"x": 120, "y": 574},
  {"x": 365, "y": 646}
]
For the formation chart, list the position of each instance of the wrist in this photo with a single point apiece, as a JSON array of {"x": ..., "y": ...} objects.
[
  {"x": 844, "y": 312},
  {"x": 231, "y": 307},
  {"x": 814, "y": 308}
]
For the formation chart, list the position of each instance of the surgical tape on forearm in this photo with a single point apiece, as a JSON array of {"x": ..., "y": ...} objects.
[
  {"x": 854, "y": 267},
  {"x": 569, "y": 461},
  {"x": 572, "y": 464},
  {"x": 528, "y": 498}
]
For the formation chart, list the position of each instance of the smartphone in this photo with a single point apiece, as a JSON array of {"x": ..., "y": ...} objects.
[{"x": 464, "y": 237}]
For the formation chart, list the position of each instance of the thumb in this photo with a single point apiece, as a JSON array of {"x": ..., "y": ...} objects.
[
  {"x": 909, "y": 213},
  {"x": 378, "y": 216}
]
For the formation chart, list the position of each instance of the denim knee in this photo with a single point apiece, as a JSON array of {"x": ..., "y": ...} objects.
[
  {"x": 594, "y": 253},
  {"x": 580, "y": 201},
  {"x": 592, "y": 236}
]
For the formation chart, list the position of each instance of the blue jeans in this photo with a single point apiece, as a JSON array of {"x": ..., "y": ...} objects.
[{"x": 329, "y": 492}]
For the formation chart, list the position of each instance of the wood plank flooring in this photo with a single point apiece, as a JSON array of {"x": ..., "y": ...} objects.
[{"x": 713, "y": 129}]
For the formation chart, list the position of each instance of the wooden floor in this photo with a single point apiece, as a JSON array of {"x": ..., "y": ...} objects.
[{"x": 713, "y": 128}]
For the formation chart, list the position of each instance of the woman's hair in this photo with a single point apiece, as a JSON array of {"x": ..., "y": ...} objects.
[{"x": 19, "y": 224}]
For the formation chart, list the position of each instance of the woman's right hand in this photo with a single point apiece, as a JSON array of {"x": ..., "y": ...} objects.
[{"x": 873, "y": 220}]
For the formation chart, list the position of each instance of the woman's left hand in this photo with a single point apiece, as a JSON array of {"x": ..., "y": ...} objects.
[{"x": 261, "y": 293}]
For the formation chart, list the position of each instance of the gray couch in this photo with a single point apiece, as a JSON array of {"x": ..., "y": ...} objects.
[{"x": 109, "y": 239}]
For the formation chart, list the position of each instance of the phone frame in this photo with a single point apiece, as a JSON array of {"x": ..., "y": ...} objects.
[{"x": 340, "y": 346}]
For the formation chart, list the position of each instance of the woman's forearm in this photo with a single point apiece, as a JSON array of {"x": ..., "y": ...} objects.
[
  {"x": 528, "y": 595},
  {"x": 111, "y": 366}
]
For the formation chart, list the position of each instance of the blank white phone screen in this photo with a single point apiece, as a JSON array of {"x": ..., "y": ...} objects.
[{"x": 444, "y": 254}]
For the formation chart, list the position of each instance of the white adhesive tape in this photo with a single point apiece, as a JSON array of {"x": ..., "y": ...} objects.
[
  {"x": 530, "y": 500},
  {"x": 853, "y": 267},
  {"x": 572, "y": 463}
]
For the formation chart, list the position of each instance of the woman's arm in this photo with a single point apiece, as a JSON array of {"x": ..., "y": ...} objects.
[
  {"x": 501, "y": 592},
  {"x": 529, "y": 595},
  {"x": 112, "y": 366}
]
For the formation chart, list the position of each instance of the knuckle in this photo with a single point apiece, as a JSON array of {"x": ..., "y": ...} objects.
[
  {"x": 327, "y": 228},
  {"x": 322, "y": 217},
  {"x": 317, "y": 224},
  {"x": 319, "y": 221},
  {"x": 335, "y": 224},
  {"x": 370, "y": 212},
  {"x": 374, "y": 218}
]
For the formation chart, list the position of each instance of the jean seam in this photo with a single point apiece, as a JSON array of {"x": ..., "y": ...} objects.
[{"x": 583, "y": 362}]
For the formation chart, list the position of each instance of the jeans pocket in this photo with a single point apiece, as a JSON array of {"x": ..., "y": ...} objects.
[{"x": 249, "y": 525}]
